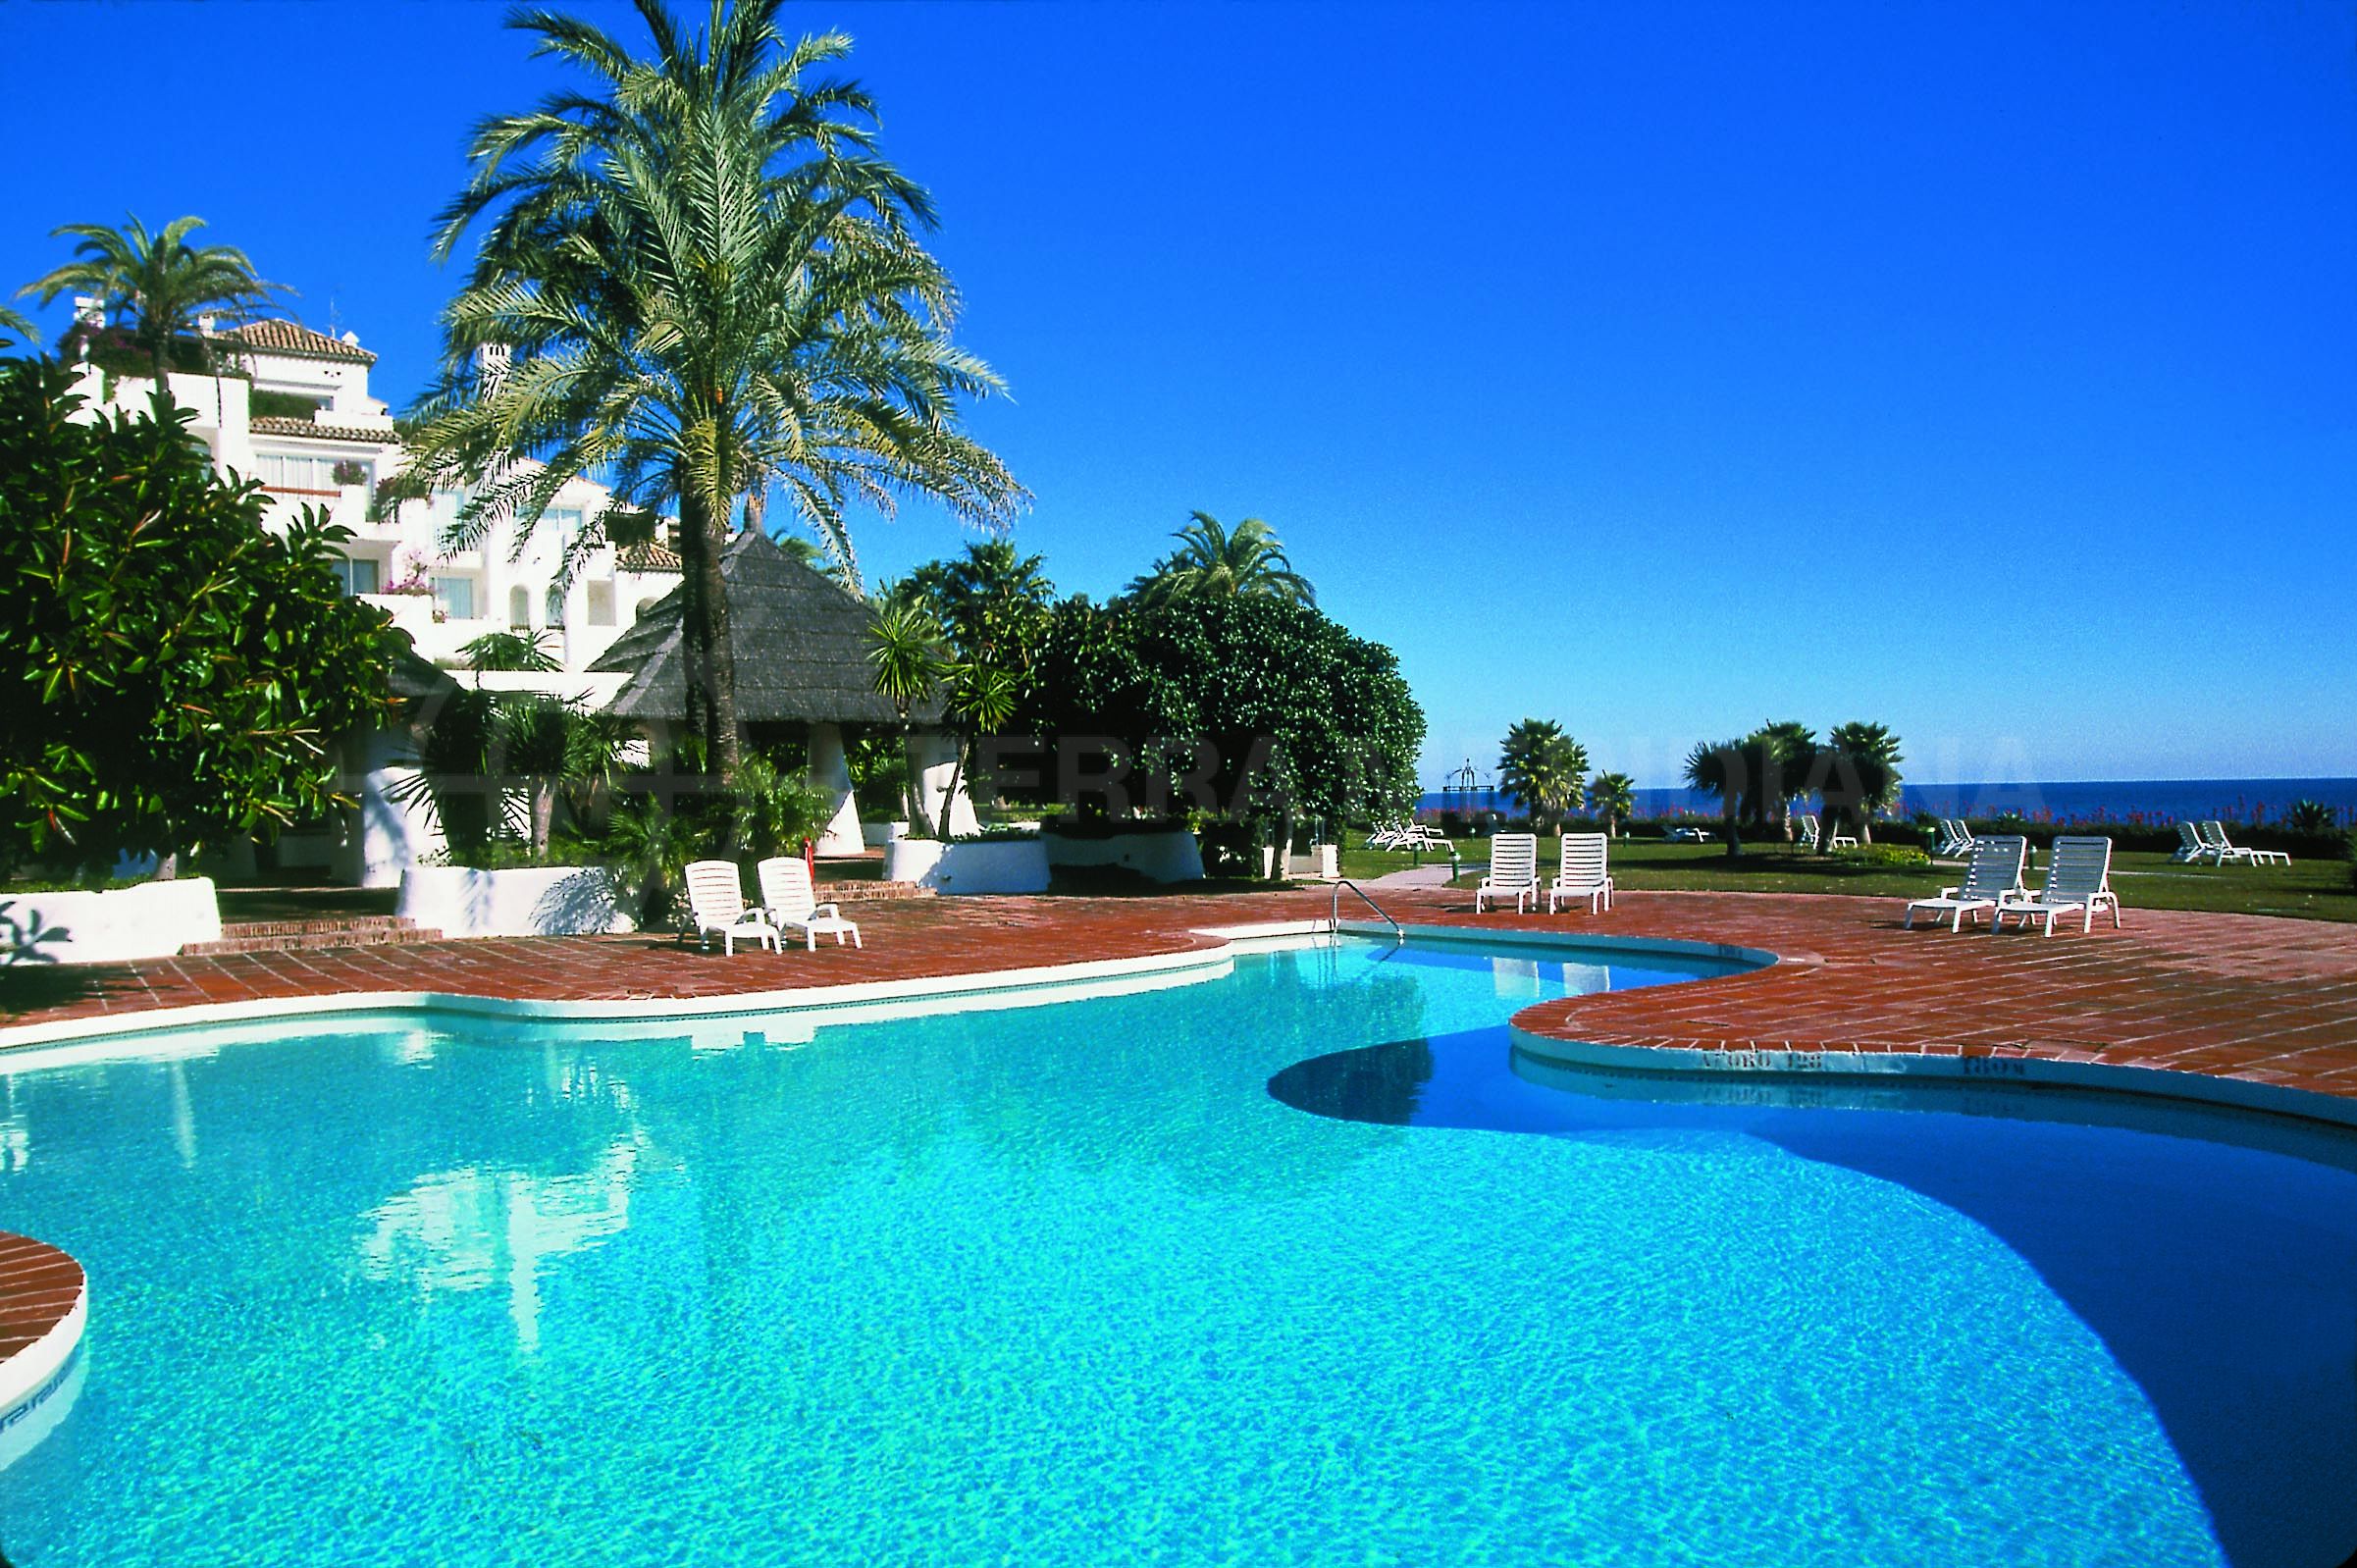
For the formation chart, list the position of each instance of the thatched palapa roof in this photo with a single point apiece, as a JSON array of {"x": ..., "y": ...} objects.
[{"x": 801, "y": 642}]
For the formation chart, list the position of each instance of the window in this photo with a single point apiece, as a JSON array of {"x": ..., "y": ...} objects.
[
  {"x": 519, "y": 609},
  {"x": 284, "y": 471},
  {"x": 455, "y": 597},
  {"x": 555, "y": 604},
  {"x": 566, "y": 520},
  {"x": 361, "y": 576},
  {"x": 601, "y": 603}
]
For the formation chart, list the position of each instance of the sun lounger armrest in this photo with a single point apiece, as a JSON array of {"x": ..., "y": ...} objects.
[{"x": 827, "y": 912}]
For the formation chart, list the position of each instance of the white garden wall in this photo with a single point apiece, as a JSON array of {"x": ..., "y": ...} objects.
[
  {"x": 460, "y": 901},
  {"x": 993, "y": 865},
  {"x": 151, "y": 921}
]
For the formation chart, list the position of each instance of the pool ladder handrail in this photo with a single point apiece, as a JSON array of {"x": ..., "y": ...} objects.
[{"x": 1334, "y": 916}]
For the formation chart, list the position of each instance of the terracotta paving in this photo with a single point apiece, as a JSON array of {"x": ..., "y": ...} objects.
[
  {"x": 39, "y": 1286},
  {"x": 2238, "y": 996}
]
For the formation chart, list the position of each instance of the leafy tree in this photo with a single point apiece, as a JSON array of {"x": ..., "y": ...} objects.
[
  {"x": 1215, "y": 562},
  {"x": 1612, "y": 797},
  {"x": 1252, "y": 704},
  {"x": 182, "y": 673},
  {"x": 1754, "y": 776},
  {"x": 1541, "y": 767},
  {"x": 158, "y": 284},
  {"x": 696, "y": 280},
  {"x": 1860, "y": 772},
  {"x": 991, "y": 603}
]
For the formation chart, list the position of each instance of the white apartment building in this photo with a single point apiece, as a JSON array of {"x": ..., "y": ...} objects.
[
  {"x": 306, "y": 426},
  {"x": 300, "y": 418}
]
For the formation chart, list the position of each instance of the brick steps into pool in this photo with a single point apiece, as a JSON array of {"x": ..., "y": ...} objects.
[{"x": 43, "y": 1305}]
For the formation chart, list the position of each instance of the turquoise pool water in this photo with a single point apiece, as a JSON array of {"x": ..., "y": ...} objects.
[{"x": 1290, "y": 1266}]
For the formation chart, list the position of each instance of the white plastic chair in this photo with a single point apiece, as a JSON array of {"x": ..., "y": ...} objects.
[
  {"x": 2078, "y": 876},
  {"x": 1991, "y": 876},
  {"x": 1956, "y": 839},
  {"x": 789, "y": 899},
  {"x": 1584, "y": 874},
  {"x": 1809, "y": 831},
  {"x": 717, "y": 904},
  {"x": 2190, "y": 846},
  {"x": 1513, "y": 870},
  {"x": 1842, "y": 841}
]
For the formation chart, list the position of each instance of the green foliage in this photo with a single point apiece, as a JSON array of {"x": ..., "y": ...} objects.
[
  {"x": 1268, "y": 702},
  {"x": 511, "y": 651},
  {"x": 479, "y": 749},
  {"x": 159, "y": 283},
  {"x": 650, "y": 848},
  {"x": 1612, "y": 797},
  {"x": 1889, "y": 854},
  {"x": 1541, "y": 767},
  {"x": 776, "y": 808},
  {"x": 182, "y": 673},
  {"x": 695, "y": 280},
  {"x": 992, "y": 605},
  {"x": 263, "y": 405},
  {"x": 2311, "y": 817},
  {"x": 1213, "y": 563},
  {"x": 1754, "y": 775},
  {"x": 17, "y": 328}
]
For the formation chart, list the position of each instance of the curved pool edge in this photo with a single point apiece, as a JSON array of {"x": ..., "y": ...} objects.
[{"x": 1782, "y": 1065}]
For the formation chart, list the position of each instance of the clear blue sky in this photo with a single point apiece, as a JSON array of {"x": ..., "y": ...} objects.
[{"x": 1990, "y": 371}]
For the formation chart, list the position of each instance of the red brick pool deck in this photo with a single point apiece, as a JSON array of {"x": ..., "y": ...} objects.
[{"x": 2266, "y": 1000}]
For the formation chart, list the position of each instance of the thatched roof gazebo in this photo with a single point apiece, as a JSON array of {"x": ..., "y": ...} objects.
[{"x": 801, "y": 642}]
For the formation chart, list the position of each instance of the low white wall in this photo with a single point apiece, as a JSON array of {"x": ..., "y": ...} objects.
[
  {"x": 999, "y": 866},
  {"x": 875, "y": 835},
  {"x": 1171, "y": 856},
  {"x": 460, "y": 901},
  {"x": 152, "y": 920}
]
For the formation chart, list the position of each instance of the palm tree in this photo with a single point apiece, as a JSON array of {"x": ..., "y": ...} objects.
[
  {"x": 1541, "y": 767},
  {"x": 1789, "y": 766},
  {"x": 1612, "y": 797},
  {"x": 697, "y": 282},
  {"x": 904, "y": 647},
  {"x": 511, "y": 651},
  {"x": 159, "y": 282},
  {"x": 1860, "y": 768},
  {"x": 1213, "y": 562}
]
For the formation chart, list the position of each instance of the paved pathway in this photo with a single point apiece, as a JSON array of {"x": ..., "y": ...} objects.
[{"x": 2240, "y": 996}]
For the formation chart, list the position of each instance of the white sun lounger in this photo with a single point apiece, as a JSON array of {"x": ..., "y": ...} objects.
[
  {"x": 1513, "y": 871},
  {"x": 788, "y": 900},
  {"x": 1809, "y": 831},
  {"x": 717, "y": 904},
  {"x": 1991, "y": 876},
  {"x": 1956, "y": 839},
  {"x": 1584, "y": 874},
  {"x": 1687, "y": 835},
  {"x": 2223, "y": 849},
  {"x": 2078, "y": 877},
  {"x": 2190, "y": 846}
]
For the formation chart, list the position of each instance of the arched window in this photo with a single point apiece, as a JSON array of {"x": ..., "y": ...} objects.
[{"x": 519, "y": 609}]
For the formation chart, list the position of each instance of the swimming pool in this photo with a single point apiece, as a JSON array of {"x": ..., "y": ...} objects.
[{"x": 1299, "y": 1264}]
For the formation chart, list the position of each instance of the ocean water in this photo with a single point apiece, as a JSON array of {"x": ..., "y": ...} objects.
[
  {"x": 2159, "y": 801},
  {"x": 1294, "y": 1266}
]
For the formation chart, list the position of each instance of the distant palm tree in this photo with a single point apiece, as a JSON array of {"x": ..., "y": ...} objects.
[
  {"x": 1215, "y": 562},
  {"x": 1612, "y": 797},
  {"x": 511, "y": 651},
  {"x": 159, "y": 282},
  {"x": 695, "y": 281},
  {"x": 1860, "y": 770},
  {"x": 1541, "y": 767},
  {"x": 1753, "y": 776},
  {"x": 906, "y": 651}
]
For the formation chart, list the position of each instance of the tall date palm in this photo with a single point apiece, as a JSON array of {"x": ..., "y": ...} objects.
[
  {"x": 1214, "y": 560},
  {"x": 693, "y": 282}
]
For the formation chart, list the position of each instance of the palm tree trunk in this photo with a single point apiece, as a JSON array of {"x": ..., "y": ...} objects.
[{"x": 708, "y": 654}]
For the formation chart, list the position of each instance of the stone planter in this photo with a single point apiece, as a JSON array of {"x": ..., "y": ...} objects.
[
  {"x": 1171, "y": 856},
  {"x": 528, "y": 900},
  {"x": 994, "y": 865},
  {"x": 152, "y": 920}
]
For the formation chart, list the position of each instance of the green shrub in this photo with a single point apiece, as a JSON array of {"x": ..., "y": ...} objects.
[{"x": 1887, "y": 855}]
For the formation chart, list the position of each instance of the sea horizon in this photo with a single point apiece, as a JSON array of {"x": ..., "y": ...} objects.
[{"x": 2125, "y": 801}]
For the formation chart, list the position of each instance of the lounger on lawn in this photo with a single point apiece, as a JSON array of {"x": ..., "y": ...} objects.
[
  {"x": 1687, "y": 835},
  {"x": 1992, "y": 875},
  {"x": 716, "y": 903},
  {"x": 788, "y": 900},
  {"x": 1809, "y": 831},
  {"x": 1583, "y": 874},
  {"x": 1956, "y": 839},
  {"x": 2190, "y": 846},
  {"x": 2223, "y": 849},
  {"x": 1513, "y": 870},
  {"x": 2078, "y": 877}
]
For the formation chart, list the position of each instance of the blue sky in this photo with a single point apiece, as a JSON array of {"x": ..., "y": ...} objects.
[{"x": 1989, "y": 371}]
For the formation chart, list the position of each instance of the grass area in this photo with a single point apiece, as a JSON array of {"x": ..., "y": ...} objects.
[{"x": 2311, "y": 889}]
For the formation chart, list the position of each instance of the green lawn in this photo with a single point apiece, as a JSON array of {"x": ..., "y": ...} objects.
[{"x": 2313, "y": 889}]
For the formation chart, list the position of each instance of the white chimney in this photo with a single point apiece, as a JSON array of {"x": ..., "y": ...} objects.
[{"x": 351, "y": 340}]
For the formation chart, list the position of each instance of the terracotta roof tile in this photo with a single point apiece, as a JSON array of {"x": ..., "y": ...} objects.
[
  {"x": 647, "y": 558},
  {"x": 277, "y": 425},
  {"x": 294, "y": 337}
]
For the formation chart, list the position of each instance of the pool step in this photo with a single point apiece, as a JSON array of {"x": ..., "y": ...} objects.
[{"x": 302, "y": 936}]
